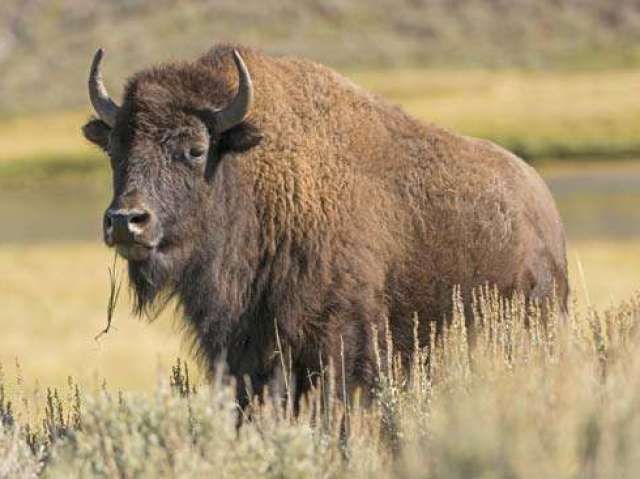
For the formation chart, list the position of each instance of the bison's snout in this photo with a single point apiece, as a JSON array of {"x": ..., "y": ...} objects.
[
  {"x": 133, "y": 231},
  {"x": 124, "y": 225}
]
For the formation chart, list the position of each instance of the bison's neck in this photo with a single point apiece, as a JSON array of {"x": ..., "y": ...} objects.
[{"x": 217, "y": 283}]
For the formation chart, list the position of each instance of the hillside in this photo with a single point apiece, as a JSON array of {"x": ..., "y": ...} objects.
[{"x": 46, "y": 45}]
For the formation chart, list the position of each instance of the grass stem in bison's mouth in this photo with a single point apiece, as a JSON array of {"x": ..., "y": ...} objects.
[{"x": 115, "y": 283}]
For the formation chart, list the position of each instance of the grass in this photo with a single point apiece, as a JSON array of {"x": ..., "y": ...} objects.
[
  {"x": 557, "y": 401},
  {"x": 610, "y": 270},
  {"x": 39, "y": 137},
  {"x": 32, "y": 293},
  {"x": 535, "y": 114},
  {"x": 538, "y": 115},
  {"x": 42, "y": 148}
]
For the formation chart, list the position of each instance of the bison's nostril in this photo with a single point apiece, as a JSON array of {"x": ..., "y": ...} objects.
[
  {"x": 123, "y": 226},
  {"x": 139, "y": 218}
]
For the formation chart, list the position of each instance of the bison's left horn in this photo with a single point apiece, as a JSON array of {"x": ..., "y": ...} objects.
[
  {"x": 102, "y": 103},
  {"x": 241, "y": 104}
]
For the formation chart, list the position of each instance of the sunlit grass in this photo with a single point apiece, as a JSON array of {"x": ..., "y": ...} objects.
[
  {"x": 54, "y": 303},
  {"x": 43, "y": 136},
  {"x": 540, "y": 113},
  {"x": 611, "y": 270}
]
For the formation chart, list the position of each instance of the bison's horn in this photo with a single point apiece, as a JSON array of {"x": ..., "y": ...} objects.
[
  {"x": 241, "y": 104},
  {"x": 102, "y": 103}
]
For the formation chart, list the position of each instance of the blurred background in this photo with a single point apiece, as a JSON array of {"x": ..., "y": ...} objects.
[{"x": 556, "y": 81}]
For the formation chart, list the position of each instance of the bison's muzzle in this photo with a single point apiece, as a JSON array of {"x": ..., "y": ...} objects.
[{"x": 133, "y": 231}]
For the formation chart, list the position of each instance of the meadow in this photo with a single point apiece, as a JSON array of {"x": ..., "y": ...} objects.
[{"x": 524, "y": 403}]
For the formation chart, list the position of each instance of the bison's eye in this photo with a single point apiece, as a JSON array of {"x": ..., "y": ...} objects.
[{"x": 196, "y": 153}]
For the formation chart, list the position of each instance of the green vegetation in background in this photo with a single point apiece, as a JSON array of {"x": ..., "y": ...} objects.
[
  {"x": 37, "y": 169},
  {"x": 47, "y": 147},
  {"x": 563, "y": 115},
  {"x": 45, "y": 47}
]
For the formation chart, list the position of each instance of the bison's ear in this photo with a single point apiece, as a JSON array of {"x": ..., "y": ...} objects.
[
  {"x": 97, "y": 131},
  {"x": 239, "y": 138}
]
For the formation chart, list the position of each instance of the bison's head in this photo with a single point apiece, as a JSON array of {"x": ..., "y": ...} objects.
[{"x": 166, "y": 142}]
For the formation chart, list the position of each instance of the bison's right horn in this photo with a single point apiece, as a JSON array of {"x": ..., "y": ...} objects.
[
  {"x": 241, "y": 104},
  {"x": 102, "y": 103}
]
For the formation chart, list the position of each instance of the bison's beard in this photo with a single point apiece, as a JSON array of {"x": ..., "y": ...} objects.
[{"x": 150, "y": 282}]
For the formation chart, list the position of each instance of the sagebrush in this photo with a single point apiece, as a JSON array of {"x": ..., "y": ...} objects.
[{"x": 509, "y": 397}]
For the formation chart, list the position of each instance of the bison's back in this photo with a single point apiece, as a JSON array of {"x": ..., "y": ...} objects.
[{"x": 434, "y": 208}]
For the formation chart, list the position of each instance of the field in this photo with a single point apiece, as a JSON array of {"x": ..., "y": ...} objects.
[{"x": 522, "y": 404}]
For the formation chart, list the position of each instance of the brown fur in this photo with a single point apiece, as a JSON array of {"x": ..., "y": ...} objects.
[{"x": 328, "y": 211}]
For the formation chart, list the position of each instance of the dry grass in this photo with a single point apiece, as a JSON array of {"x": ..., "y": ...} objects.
[
  {"x": 557, "y": 401},
  {"x": 42, "y": 136},
  {"x": 541, "y": 112},
  {"x": 611, "y": 270},
  {"x": 54, "y": 302}
]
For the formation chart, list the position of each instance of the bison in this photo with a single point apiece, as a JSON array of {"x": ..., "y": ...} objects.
[{"x": 286, "y": 208}]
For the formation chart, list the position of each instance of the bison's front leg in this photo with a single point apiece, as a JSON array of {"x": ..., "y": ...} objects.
[{"x": 350, "y": 362}]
